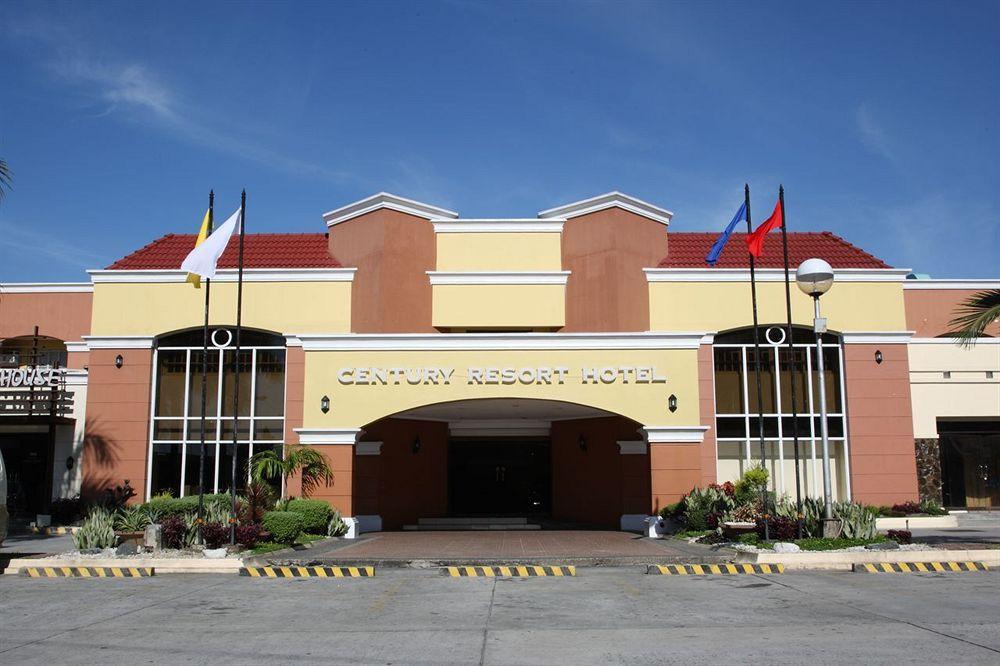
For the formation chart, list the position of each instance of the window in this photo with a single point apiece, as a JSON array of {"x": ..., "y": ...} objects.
[
  {"x": 738, "y": 426},
  {"x": 175, "y": 432}
]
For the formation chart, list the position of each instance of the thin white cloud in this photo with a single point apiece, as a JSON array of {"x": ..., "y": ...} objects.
[
  {"x": 872, "y": 135},
  {"x": 21, "y": 239}
]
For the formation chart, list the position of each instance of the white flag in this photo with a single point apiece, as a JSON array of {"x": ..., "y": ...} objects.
[{"x": 203, "y": 259}]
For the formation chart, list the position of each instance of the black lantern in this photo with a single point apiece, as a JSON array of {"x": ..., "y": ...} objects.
[
  {"x": 324, "y": 404},
  {"x": 119, "y": 361},
  {"x": 415, "y": 447},
  {"x": 582, "y": 442},
  {"x": 878, "y": 356},
  {"x": 672, "y": 403}
]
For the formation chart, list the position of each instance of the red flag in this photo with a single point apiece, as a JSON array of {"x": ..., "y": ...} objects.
[{"x": 755, "y": 241}]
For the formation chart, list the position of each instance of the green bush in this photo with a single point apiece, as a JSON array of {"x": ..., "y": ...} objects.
[
  {"x": 315, "y": 514},
  {"x": 97, "y": 531},
  {"x": 932, "y": 508},
  {"x": 670, "y": 510},
  {"x": 284, "y": 526},
  {"x": 751, "y": 485},
  {"x": 164, "y": 505}
]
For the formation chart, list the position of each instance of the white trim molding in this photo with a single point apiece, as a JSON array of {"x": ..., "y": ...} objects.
[
  {"x": 74, "y": 347},
  {"x": 496, "y": 341},
  {"x": 952, "y": 341},
  {"x": 385, "y": 200},
  {"x": 477, "y": 226},
  {"x": 636, "y": 448},
  {"x": 292, "y": 340},
  {"x": 952, "y": 284},
  {"x": 368, "y": 448},
  {"x": 498, "y": 277},
  {"x": 46, "y": 288},
  {"x": 499, "y": 428},
  {"x": 118, "y": 341},
  {"x": 769, "y": 274},
  {"x": 75, "y": 377},
  {"x": 227, "y": 275},
  {"x": 675, "y": 434},
  {"x": 876, "y": 337},
  {"x": 322, "y": 436},
  {"x": 609, "y": 200}
]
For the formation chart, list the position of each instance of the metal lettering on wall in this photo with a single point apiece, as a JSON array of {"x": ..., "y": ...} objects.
[
  {"x": 617, "y": 374},
  {"x": 33, "y": 392}
]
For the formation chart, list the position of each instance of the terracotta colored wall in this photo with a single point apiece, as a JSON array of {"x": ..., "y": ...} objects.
[
  {"x": 600, "y": 484},
  {"x": 606, "y": 252},
  {"x": 399, "y": 485},
  {"x": 65, "y": 316},
  {"x": 706, "y": 411},
  {"x": 340, "y": 493},
  {"x": 675, "y": 469},
  {"x": 928, "y": 311},
  {"x": 392, "y": 252},
  {"x": 880, "y": 424},
  {"x": 117, "y": 428},
  {"x": 295, "y": 372}
]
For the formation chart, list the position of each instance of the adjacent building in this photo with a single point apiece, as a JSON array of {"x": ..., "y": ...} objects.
[{"x": 582, "y": 367}]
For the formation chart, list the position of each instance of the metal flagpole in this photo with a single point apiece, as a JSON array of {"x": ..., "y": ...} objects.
[
  {"x": 204, "y": 385},
  {"x": 236, "y": 368},
  {"x": 791, "y": 365},
  {"x": 756, "y": 365}
]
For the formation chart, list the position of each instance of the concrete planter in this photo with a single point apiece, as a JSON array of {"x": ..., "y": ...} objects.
[
  {"x": 844, "y": 561},
  {"x": 732, "y": 530},
  {"x": 916, "y": 522},
  {"x": 131, "y": 538}
]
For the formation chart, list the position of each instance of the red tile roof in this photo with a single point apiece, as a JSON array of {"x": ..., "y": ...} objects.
[
  {"x": 688, "y": 250},
  {"x": 259, "y": 251}
]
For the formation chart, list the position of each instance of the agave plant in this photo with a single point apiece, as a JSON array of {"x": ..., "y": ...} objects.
[
  {"x": 97, "y": 531},
  {"x": 858, "y": 520},
  {"x": 336, "y": 526},
  {"x": 132, "y": 518}
]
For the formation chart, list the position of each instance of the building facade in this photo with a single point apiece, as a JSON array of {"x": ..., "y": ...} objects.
[{"x": 580, "y": 368}]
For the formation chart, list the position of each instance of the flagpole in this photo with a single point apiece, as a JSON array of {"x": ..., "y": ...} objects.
[
  {"x": 204, "y": 385},
  {"x": 756, "y": 351},
  {"x": 791, "y": 364},
  {"x": 236, "y": 367}
]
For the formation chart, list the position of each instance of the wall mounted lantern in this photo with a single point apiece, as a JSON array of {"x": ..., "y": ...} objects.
[
  {"x": 878, "y": 356},
  {"x": 119, "y": 361},
  {"x": 415, "y": 447},
  {"x": 582, "y": 442},
  {"x": 70, "y": 462},
  {"x": 324, "y": 404},
  {"x": 672, "y": 403}
]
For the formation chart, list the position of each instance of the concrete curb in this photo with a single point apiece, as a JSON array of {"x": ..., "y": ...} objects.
[
  {"x": 916, "y": 523},
  {"x": 162, "y": 566},
  {"x": 845, "y": 561}
]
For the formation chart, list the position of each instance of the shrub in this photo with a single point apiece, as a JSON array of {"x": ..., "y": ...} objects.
[
  {"x": 750, "y": 486},
  {"x": 165, "y": 506},
  {"x": 97, "y": 531},
  {"x": 701, "y": 503},
  {"x": 901, "y": 536},
  {"x": 174, "y": 532},
  {"x": 858, "y": 520},
  {"x": 132, "y": 519},
  {"x": 66, "y": 510},
  {"x": 817, "y": 543},
  {"x": 336, "y": 527},
  {"x": 116, "y": 498},
  {"x": 215, "y": 535},
  {"x": 932, "y": 508},
  {"x": 315, "y": 514},
  {"x": 284, "y": 526},
  {"x": 672, "y": 510},
  {"x": 780, "y": 528},
  {"x": 248, "y": 534},
  {"x": 258, "y": 498},
  {"x": 907, "y": 508}
]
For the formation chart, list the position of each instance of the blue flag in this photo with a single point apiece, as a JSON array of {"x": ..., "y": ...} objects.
[{"x": 720, "y": 242}]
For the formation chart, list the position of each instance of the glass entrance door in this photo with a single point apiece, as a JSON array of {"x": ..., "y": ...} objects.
[{"x": 499, "y": 477}]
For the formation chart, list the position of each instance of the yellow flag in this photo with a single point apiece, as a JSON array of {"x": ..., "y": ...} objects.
[{"x": 202, "y": 235}]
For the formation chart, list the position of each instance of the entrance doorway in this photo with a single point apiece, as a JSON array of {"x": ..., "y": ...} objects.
[
  {"x": 27, "y": 461},
  {"x": 499, "y": 477},
  {"x": 970, "y": 464}
]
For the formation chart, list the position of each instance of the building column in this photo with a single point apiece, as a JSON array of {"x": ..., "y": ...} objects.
[{"x": 675, "y": 462}]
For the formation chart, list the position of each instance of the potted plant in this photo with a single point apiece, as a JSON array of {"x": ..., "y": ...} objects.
[{"x": 130, "y": 524}]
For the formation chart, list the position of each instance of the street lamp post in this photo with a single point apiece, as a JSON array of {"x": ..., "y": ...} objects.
[{"x": 815, "y": 277}]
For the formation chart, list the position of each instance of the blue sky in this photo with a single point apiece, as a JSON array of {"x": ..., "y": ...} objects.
[{"x": 879, "y": 118}]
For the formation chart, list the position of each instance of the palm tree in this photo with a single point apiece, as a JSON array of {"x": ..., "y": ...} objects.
[
  {"x": 4, "y": 177},
  {"x": 312, "y": 464},
  {"x": 974, "y": 315}
]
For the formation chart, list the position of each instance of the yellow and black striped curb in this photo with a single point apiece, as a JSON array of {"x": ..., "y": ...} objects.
[
  {"x": 88, "y": 572},
  {"x": 714, "y": 569},
  {"x": 54, "y": 531},
  {"x": 919, "y": 567},
  {"x": 308, "y": 572},
  {"x": 509, "y": 571}
]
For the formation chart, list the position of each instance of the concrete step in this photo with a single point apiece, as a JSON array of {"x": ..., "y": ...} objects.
[
  {"x": 474, "y": 520},
  {"x": 470, "y": 527}
]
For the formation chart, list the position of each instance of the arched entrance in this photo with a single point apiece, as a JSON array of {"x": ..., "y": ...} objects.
[{"x": 506, "y": 460}]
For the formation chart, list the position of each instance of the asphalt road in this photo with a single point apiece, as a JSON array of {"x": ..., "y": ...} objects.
[{"x": 420, "y": 617}]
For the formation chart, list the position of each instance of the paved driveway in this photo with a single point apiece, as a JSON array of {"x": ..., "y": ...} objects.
[{"x": 420, "y": 617}]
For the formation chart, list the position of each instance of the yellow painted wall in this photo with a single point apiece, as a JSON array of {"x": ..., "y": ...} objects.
[
  {"x": 968, "y": 393},
  {"x": 353, "y": 406},
  {"x": 284, "y": 307},
  {"x": 499, "y": 305},
  {"x": 499, "y": 251},
  {"x": 719, "y": 306}
]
